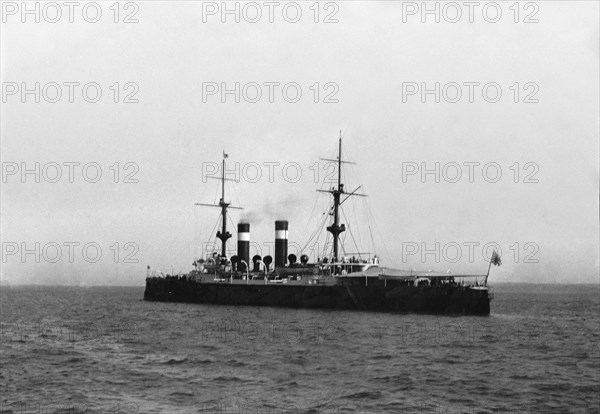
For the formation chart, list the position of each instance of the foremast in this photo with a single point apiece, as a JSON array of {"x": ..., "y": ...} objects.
[{"x": 223, "y": 234}]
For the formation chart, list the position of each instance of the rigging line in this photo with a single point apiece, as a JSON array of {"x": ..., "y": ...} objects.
[
  {"x": 344, "y": 131},
  {"x": 170, "y": 245},
  {"x": 345, "y": 176},
  {"x": 342, "y": 237},
  {"x": 317, "y": 230},
  {"x": 231, "y": 221},
  {"x": 358, "y": 238},
  {"x": 320, "y": 224},
  {"x": 324, "y": 250},
  {"x": 319, "y": 236},
  {"x": 182, "y": 249},
  {"x": 351, "y": 235},
  {"x": 387, "y": 252},
  {"x": 164, "y": 264},
  {"x": 309, "y": 243},
  {"x": 343, "y": 248},
  {"x": 360, "y": 235},
  {"x": 216, "y": 197},
  {"x": 235, "y": 194},
  {"x": 321, "y": 227},
  {"x": 312, "y": 236},
  {"x": 312, "y": 215},
  {"x": 212, "y": 236},
  {"x": 369, "y": 225},
  {"x": 372, "y": 241},
  {"x": 363, "y": 237}
]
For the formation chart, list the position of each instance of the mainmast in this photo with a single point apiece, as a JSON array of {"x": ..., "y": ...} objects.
[
  {"x": 222, "y": 235},
  {"x": 336, "y": 228}
]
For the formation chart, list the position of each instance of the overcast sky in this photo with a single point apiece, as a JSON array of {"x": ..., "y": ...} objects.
[{"x": 171, "y": 61}]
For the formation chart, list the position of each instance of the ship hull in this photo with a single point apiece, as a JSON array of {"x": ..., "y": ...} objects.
[{"x": 402, "y": 299}]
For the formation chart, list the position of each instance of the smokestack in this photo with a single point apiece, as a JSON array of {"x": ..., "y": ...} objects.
[
  {"x": 281, "y": 242},
  {"x": 243, "y": 244}
]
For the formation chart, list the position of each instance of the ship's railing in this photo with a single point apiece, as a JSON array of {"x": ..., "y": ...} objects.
[{"x": 161, "y": 275}]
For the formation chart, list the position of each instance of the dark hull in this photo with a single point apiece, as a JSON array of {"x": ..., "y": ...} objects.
[{"x": 445, "y": 299}]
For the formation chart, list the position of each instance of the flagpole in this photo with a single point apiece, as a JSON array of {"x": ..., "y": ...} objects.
[
  {"x": 489, "y": 267},
  {"x": 488, "y": 273}
]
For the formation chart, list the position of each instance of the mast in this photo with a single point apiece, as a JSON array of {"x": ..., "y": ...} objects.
[
  {"x": 336, "y": 229},
  {"x": 223, "y": 234}
]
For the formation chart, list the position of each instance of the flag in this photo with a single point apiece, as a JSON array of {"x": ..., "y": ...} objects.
[
  {"x": 496, "y": 259},
  {"x": 225, "y": 155}
]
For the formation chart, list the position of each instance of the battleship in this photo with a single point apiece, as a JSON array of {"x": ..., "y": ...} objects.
[{"x": 335, "y": 281}]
